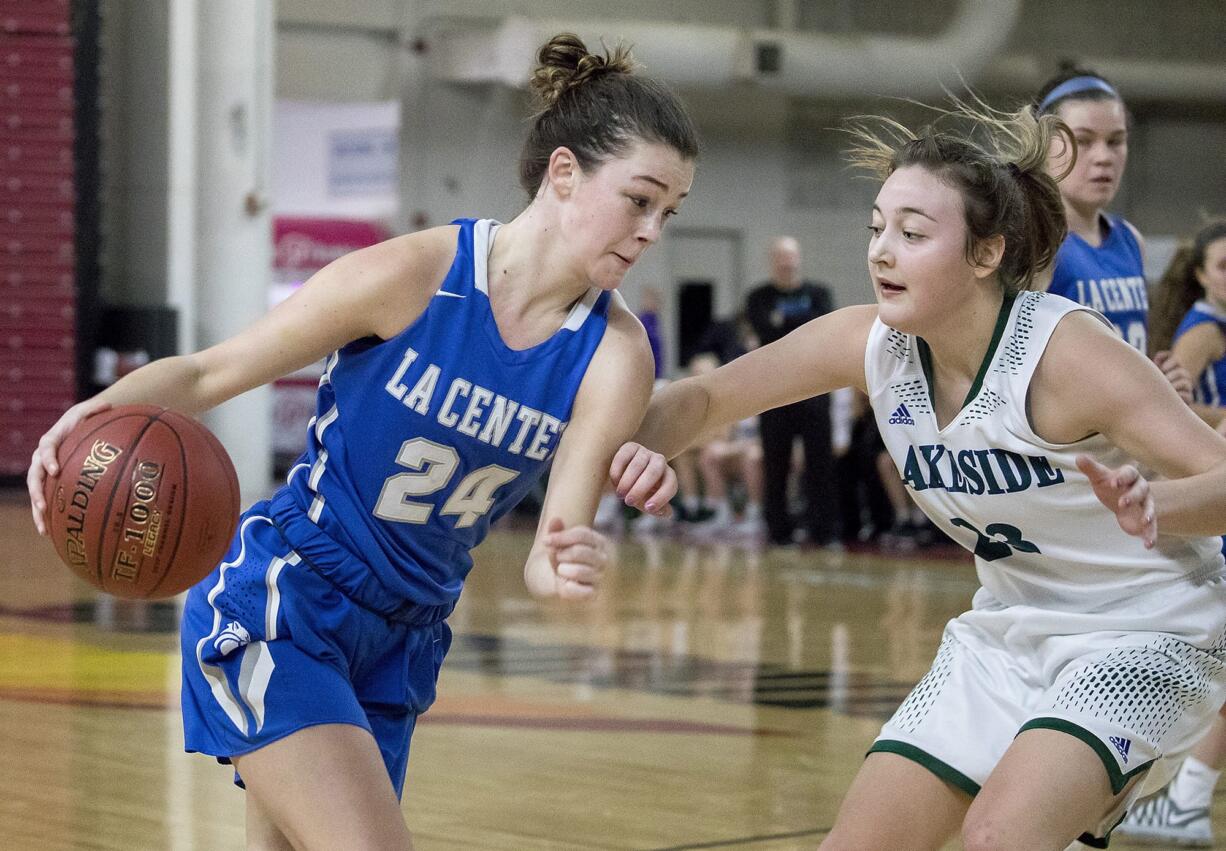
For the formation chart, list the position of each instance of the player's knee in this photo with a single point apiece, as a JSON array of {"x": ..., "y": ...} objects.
[{"x": 985, "y": 832}]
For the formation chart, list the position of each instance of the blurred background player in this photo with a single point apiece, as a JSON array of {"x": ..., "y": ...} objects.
[
  {"x": 1101, "y": 263},
  {"x": 774, "y": 309},
  {"x": 1189, "y": 317},
  {"x": 734, "y": 456}
]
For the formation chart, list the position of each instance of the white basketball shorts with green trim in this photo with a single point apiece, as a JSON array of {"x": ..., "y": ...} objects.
[{"x": 1139, "y": 684}]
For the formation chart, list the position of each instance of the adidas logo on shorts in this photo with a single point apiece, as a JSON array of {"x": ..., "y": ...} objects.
[
  {"x": 1122, "y": 745},
  {"x": 901, "y": 416},
  {"x": 231, "y": 638}
]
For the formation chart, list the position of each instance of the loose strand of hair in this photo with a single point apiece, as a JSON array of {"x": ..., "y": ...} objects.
[{"x": 875, "y": 139}]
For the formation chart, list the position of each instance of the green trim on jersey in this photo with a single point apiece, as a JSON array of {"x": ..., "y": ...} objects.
[
  {"x": 925, "y": 354},
  {"x": 1118, "y": 778},
  {"x": 1094, "y": 841},
  {"x": 943, "y": 770},
  {"x": 1101, "y": 841}
]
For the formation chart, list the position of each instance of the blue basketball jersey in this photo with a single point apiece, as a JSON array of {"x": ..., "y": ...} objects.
[
  {"x": 420, "y": 442},
  {"x": 1109, "y": 278},
  {"x": 1211, "y": 385}
]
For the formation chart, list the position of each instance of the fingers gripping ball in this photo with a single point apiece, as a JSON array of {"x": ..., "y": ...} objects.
[{"x": 145, "y": 502}]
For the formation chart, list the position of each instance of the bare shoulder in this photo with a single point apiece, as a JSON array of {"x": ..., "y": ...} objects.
[
  {"x": 397, "y": 277},
  {"x": 617, "y": 384},
  {"x": 1084, "y": 374},
  {"x": 857, "y": 319},
  {"x": 1082, "y": 343},
  {"x": 624, "y": 354},
  {"x": 1136, "y": 234}
]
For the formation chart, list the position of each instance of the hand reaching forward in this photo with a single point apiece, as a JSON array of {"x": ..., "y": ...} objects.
[
  {"x": 578, "y": 556},
  {"x": 643, "y": 479},
  {"x": 1126, "y": 493}
]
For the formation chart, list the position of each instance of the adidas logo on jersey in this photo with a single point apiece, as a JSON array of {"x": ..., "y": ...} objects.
[
  {"x": 901, "y": 416},
  {"x": 231, "y": 638},
  {"x": 1122, "y": 745}
]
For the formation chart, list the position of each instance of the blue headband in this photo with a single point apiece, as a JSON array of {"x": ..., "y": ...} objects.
[{"x": 1076, "y": 86}]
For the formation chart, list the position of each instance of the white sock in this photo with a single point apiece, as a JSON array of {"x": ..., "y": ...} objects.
[
  {"x": 723, "y": 513},
  {"x": 753, "y": 511},
  {"x": 691, "y": 503},
  {"x": 1192, "y": 787}
]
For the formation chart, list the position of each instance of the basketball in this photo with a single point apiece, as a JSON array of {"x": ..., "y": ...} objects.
[{"x": 145, "y": 502}]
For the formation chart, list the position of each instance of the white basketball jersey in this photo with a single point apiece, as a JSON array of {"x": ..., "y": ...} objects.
[{"x": 1040, "y": 536}]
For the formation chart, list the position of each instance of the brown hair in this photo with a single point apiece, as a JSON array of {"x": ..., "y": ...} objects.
[
  {"x": 1179, "y": 289},
  {"x": 1005, "y": 188},
  {"x": 595, "y": 105}
]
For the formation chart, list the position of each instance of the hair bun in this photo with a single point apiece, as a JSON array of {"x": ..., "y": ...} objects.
[{"x": 564, "y": 62}]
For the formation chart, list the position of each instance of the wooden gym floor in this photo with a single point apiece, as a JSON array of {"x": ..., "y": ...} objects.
[{"x": 714, "y": 697}]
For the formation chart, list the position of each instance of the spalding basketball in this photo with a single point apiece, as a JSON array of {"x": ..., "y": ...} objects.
[{"x": 145, "y": 502}]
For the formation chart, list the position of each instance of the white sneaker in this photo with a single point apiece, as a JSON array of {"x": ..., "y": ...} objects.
[
  {"x": 712, "y": 527},
  {"x": 715, "y": 526},
  {"x": 650, "y": 524},
  {"x": 1160, "y": 820},
  {"x": 749, "y": 529}
]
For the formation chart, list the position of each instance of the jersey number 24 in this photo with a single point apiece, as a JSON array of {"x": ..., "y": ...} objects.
[{"x": 433, "y": 466}]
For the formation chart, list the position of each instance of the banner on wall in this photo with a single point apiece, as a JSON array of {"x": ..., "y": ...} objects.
[
  {"x": 335, "y": 181},
  {"x": 301, "y": 247},
  {"x": 337, "y": 159}
]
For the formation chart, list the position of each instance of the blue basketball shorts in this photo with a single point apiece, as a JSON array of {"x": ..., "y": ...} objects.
[{"x": 270, "y": 647}]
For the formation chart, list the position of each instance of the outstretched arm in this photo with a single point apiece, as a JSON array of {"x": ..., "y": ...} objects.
[
  {"x": 822, "y": 355},
  {"x": 375, "y": 291}
]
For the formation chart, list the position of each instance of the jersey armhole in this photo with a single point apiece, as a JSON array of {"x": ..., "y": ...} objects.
[{"x": 1027, "y": 421}]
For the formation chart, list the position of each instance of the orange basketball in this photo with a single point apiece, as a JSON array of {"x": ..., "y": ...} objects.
[{"x": 145, "y": 503}]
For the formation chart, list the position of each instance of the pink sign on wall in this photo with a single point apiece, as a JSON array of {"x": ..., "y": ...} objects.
[
  {"x": 307, "y": 245},
  {"x": 301, "y": 247}
]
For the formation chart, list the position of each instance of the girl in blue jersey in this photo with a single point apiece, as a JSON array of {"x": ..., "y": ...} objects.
[
  {"x": 1189, "y": 317},
  {"x": 1101, "y": 262},
  {"x": 1095, "y": 649},
  {"x": 460, "y": 360}
]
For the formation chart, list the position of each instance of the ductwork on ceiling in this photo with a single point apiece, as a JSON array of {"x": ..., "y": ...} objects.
[
  {"x": 792, "y": 62},
  {"x": 1138, "y": 80},
  {"x": 804, "y": 64}
]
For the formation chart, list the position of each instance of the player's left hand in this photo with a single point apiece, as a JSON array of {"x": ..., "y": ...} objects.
[
  {"x": 578, "y": 556},
  {"x": 643, "y": 479},
  {"x": 1176, "y": 374},
  {"x": 1126, "y": 493}
]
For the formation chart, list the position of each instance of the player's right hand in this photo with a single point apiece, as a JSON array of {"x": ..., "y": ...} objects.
[
  {"x": 578, "y": 556},
  {"x": 43, "y": 463},
  {"x": 1124, "y": 492}
]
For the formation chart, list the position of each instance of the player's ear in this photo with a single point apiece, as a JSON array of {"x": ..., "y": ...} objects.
[
  {"x": 563, "y": 172},
  {"x": 987, "y": 255}
]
